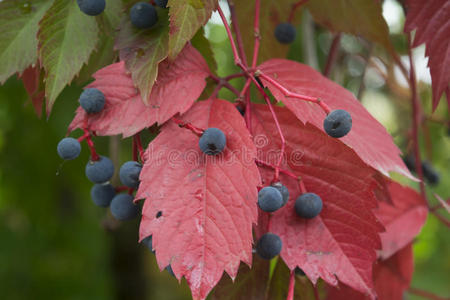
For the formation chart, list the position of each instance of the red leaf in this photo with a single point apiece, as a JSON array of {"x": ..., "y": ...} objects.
[
  {"x": 208, "y": 203},
  {"x": 178, "y": 85},
  {"x": 368, "y": 137},
  {"x": 341, "y": 242},
  {"x": 31, "y": 80},
  {"x": 403, "y": 219},
  {"x": 432, "y": 20},
  {"x": 392, "y": 278}
]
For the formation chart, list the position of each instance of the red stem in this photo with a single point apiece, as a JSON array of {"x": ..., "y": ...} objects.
[
  {"x": 140, "y": 149},
  {"x": 316, "y": 293},
  {"x": 288, "y": 93},
  {"x": 268, "y": 165},
  {"x": 257, "y": 33},
  {"x": 294, "y": 8},
  {"x": 290, "y": 295},
  {"x": 332, "y": 55},
  {"x": 425, "y": 294},
  {"x": 237, "y": 59},
  {"x": 302, "y": 186},
  {"x": 235, "y": 24},
  {"x": 135, "y": 151},
  {"x": 232, "y": 76},
  {"x": 197, "y": 131}
]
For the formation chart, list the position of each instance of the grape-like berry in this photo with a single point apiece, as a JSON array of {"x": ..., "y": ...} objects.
[
  {"x": 68, "y": 148},
  {"x": 338, "y": 123},
  {"x": 308, "y": 205},
  {"x": 100, "y": 171},
  {"x": 148, "y": 241},
  {"x": 283, "y": 190},
  {"x": 270, "y": 199},
  {"x": 285, "y": 33},
  {"x": 102, "y": 194},
  {"x": 161, "y": 3},
  {"x": 430, "y": 174},
  {"x": 143, "y": 15},
  {"x": 212, "y": 141},
  {"x": 269, "y": 246},
  {"x": 92, "y": 100},
  {"x": 123, "y": 208},
  {"x": 129, "y": 174},
  {"x": 91, "y": 7}
]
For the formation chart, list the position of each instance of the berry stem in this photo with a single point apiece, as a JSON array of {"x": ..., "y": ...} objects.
[
  {"x": 237, "y": 59},
  {"x": 288, "y": 93},
  {"x": 83, "y": 137},
  {"x": 268, "y": 165},
  {"x": 294, "y": 8},
  {"x": 290, "y": 295},
  {"x": 332, "y": 54},
  {"x": 302, "y": 186},
  {"x": 140, "y": 150},
  {"x": 237, "y": 31},
  {"x": 257, "y": 33},
  {"x": 316, "y": 293},
  {"x": 197, "y": 131},
  {"x": 222, "y": 82}
]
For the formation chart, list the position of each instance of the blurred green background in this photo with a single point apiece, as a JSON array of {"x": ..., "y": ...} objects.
[{"x": 55, "y": 244}]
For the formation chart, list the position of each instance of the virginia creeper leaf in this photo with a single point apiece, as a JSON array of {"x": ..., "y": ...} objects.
[
  {"x": 392, "y": 278},
  {"x": 186, "y": 18},
  {"x": 143, "y": 50},
  {"x": 32, "y": 81},
  {"x": 403, "y": 219},
  {"x": 208, "y": 203},
  {"x": 67, "y": 38},
  {"x": 272, "y": 13},
  {"x": 359, "y": 17},
  {"x": 18, "y": 43},
  {"x": 368, "y": 137},
  {"x": 431, "y": 19},
  {"x": 340, "y": 243},
  {"x": 179, "y": 84}
]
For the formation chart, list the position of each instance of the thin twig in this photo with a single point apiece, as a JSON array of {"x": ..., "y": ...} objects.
[
  {"x": 290, "y": 295},
  {"x": 257, "y": 33},
  {"x": 235, "y": 24}
]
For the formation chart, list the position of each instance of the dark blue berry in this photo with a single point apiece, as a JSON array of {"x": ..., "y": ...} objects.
[
  {"x": 143, "y": 15},
  {"x": 92, "y": 100},
  {"x": 68, "y": 148},
  {"x": 102, "y": 194},
  {"x": 129, "y": 173},
  {"x": 161, "y": 3},
  {"x": 299, "y": 272},
  {"x": 270, "y": 199},
  {"x": 308, "y": 205},
  {"x": 148, "y": 241},
  {"x": 122, "y": 207},
  {"x": 269, "y": 246},
  {"x": 285, "y": 33},
  {"x": 283, "y": 190},
  {"x": 338, "y": 123},
  {"x": 99, "y": 171},
  {"x": 92, "y": 7},
  {"x": 430, "y": 174},
  {"x": 212, "y": 141}
]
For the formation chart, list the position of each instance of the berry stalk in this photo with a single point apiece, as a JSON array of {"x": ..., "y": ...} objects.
[
  {"x": 197, "y": 131},
  {"x": 257, "y": 33},
  {"x": 290, "y": 295}
]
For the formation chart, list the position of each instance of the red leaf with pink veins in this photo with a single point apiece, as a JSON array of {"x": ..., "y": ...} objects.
[
  {"x": 177, "y": 87},
  {"x": 340, "y": 243},
  {"x": 431, "y": 19},
  {"x": 403, "y": 219},
  {"x": 368, "y": 137},
  {"x": 208, "y": 203},
  {"x": 392, "y": 278}
]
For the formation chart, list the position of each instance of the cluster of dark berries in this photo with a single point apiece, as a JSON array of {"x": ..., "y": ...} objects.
[
  {"x": 143, "y": 15},
  {"x": 429, "y": 172},
  {"x": 148, "y": 241},
  {"x": 101, "y": 170}
]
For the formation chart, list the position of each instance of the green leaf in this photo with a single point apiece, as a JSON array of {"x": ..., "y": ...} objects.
[
  {"x": 202, "y": 44},
  {"x": 67, "y": 38},
  {"x": 359, "y": 17},
  {"x": 18, "y": 43},
  {"x": 143, "y": 50},
  {"x": 272, "y": 13},
  {"x": 186, "y": 17}
]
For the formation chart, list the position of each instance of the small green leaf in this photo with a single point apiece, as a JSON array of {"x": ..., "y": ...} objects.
[
  {"x": 18, "y": 43},
  {"x": 67, "y": 38},
  {"x": 186, "y": 17},
  {"x": 143, "y": 50}
]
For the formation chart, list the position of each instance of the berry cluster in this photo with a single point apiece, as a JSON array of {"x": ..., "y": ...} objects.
[{"x": 100, "y": 169}]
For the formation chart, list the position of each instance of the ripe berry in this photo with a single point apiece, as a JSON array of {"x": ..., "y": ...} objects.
[
  {"x": 213, "y": 141},
  {"x": 338, "y": 123},
  {"x": 430, "y": 174},
  {"x": 99, "y": 171},
  {"x": 91, "y": 7},
  {"x": 283, "y": 190},
  {"x": 285, "y": 33},
  {"x": 161, "y": 3},
  {"x": 92, "y": 100},
  {"x": 299, "y": 272},
  {"x": 102, "y": 194},
  {"x": 68, "y": 148},
  {"x": 129, "y": 173},
  {"x": 143, "y": 15},
  {"x": 270, "y": 199},
  {"x": 123, "y": 208},
  {"x": 308, "y": 205},
  {"x": 148, "y": 241},
  {"x": 269, "y": 246}
]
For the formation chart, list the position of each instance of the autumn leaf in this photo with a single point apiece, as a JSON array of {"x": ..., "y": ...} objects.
[
  {"x": 32, "y": 81},
  {"x": 208, "y": 203},
  {"x": 340, "y": 243},
  {"x": 368, "y": 138},
  {"x": 431, "y": 19},
  {"x": 125, "y": 112}
]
